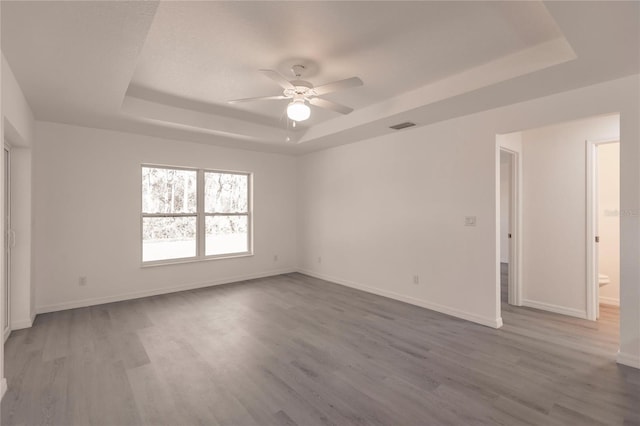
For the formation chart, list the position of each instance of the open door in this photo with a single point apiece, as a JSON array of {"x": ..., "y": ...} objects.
[{"x": 509, "y": 226}]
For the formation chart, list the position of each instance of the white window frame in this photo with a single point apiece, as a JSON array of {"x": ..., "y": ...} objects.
[{"x": 200, "y": 216}]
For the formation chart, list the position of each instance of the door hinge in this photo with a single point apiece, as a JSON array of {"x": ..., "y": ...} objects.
[
  {"x": 597, "y": 238},
  {"x": 509, "y": 235}
]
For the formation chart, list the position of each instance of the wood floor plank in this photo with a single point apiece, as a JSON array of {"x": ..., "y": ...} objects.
[{"x": 299, "y": 351}]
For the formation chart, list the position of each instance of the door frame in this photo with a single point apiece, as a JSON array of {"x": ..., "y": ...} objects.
[
  {"x": 592, "y": 282},
  {"x": 8, "y": 235}
]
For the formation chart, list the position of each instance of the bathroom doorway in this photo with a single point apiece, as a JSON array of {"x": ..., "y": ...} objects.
[{"x": 603, "y": 227}]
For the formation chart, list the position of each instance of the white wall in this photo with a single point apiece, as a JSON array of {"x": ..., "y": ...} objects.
[
  {"x": 505, "y": 207},
  {"x": 382, "y": 210},
  {"x": 3, "y": 380},
  {"x": 609, "y": 220},
  {"x": 554, "y": 216},
  {"x": 19, "y": 129},
  {"x": 16, "y": 110},
  {"x": 87, "y": 203}
]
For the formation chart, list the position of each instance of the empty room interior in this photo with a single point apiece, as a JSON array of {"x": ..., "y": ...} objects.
[{"x": 320, "y": 213}]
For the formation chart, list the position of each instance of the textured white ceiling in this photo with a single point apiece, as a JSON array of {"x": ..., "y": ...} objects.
[
  {"x": 74, "y": 59},
  {"x": 168, "y": 68},
  {"x": 211, "y": 51}
]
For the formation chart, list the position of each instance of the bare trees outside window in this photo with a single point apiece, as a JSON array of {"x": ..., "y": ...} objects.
[
  {"x": 192, "y": 214},
  {"x": 226, "y": 204}
]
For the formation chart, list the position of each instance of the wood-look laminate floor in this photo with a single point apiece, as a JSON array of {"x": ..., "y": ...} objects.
[{"x": 294, "y": 350}]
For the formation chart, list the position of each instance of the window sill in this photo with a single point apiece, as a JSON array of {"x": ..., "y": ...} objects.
[{"x": 154, "y": 263}]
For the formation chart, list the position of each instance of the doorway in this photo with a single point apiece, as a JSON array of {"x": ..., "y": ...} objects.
[
  {"x": 508, "y": 222},
  {"x": 8, "y": 241},
  {"x": 603, "y": 226}
]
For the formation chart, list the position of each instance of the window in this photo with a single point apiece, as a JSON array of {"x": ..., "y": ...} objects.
[{"x": 190, "y": 214}]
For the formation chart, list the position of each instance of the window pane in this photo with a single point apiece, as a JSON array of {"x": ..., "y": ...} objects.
[
  {"x": 225, "y": 193},
  {"x": 168, "y": 190},
  {"x": 168, "y": 238},
  {"x": 226, "y": 234}
]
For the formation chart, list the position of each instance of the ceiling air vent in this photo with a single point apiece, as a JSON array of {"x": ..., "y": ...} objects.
[{"x": 402, "y": 125}]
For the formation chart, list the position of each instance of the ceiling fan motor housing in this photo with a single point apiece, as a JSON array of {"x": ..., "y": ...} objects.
[{"x": 301, "y": 87}]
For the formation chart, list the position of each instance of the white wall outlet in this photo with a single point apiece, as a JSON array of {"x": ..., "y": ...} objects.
[
  {"x": 275, "y": 257},
  {"x": 82, "y": 281},
  {"x": 319, "y": 259},
  {"x": 416, "y": 279},
  {"x": 469, "y": 221}
]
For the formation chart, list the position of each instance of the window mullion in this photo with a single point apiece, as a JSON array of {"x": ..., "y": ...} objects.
[
  {"x": 228, "y": 214},
  {"x": 250, "y": 213},
  {"x": 169, "y": 214},
  {"x": 200, "y": 236}
]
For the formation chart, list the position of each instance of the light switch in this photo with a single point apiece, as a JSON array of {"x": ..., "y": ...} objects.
[{"x": 469, "y": 221}]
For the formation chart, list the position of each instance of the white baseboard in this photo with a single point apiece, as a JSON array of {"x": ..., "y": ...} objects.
[
  {"x": 19, "y": 325},
  {"x": 3, "y": 388},
  {"x": 555, "y": 309},
  {"x": 489, "y": 322},
  {"x": 628, "y": 360},
  {"x": 609, "y": 301},
  {"x": 165, "y": 290}
]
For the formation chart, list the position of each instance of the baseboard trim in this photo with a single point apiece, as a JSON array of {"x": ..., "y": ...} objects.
[
  {"x": 555, "y": 309},
  {"x": 19, "y": 325},
  {"x": 155, "y": 292},
  {"x": 3, "y": 388},
  {"x": 609, "y": 301},
  {"x": 489, "y": 322},
  {"x": 628, "y": 360}
]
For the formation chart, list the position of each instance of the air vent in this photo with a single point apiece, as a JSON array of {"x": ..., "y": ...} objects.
[{"x": 402, "y": 125}]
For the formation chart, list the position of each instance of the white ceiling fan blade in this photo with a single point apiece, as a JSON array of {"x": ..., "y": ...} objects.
[
  {"x": 278, "y": 78},
  {"x": 338, "y": 85},
  {"x": 261, "y": 98},
  {"x": 323, "y": 103}
]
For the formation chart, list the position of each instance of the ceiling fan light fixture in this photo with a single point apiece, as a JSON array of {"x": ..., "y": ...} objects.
[{"x": 298, "y": 110}]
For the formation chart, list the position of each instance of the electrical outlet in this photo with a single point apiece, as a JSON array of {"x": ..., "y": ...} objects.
[
  {"x": 82, "y": 281},
  {"x": 416, "y": 279},
  {"x": 275, "y": 257},
  {"x": 319, "y": 259},
  {"x": 470, "y": 221}
]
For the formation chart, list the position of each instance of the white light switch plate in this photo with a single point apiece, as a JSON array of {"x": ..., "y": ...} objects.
[{"x": 469, "y": 221}]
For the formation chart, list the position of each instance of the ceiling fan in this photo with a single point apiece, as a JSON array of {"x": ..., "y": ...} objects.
[{"x": 302, "y": 92}]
